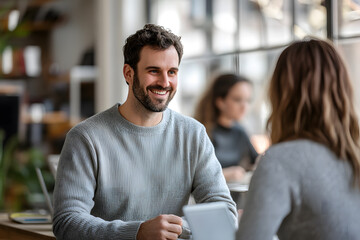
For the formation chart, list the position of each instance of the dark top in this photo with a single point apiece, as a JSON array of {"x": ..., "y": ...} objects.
[{"x": 233, "y": 146}]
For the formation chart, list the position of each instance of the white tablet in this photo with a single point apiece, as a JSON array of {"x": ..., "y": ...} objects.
[{"x": 210, "y": 221}]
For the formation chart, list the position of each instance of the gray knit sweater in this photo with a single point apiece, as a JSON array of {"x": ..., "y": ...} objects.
[
  {"x": 113, "y": 175},
  {"x": 301, "y": 190}
]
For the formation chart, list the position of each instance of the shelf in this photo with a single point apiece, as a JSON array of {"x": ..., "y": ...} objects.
[
  {"x": 61, "y": 78},
  {"x": 40, "y": 26},
  {"x": 32, "y": 26},
  {"x": 32, "y": 3},
  {"x": 16, "y": 77},
  {"x": 34, "y": 16},
  {"x": 56, "y": 117}
]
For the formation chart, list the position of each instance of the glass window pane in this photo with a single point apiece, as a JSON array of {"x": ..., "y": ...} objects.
[
  {"x": 310, "y": 18},
  {"x": 195, "y": 75},
  {"x": 351, "y": 54},
  {"x": 257, "y": 66},
  {"x": 252, "y": 29},
  {"x": 276, "y": 20},
  {"x": 185, "y": 18},
  {"x": 225, "y": 26},
  {"x": 349, "y": 18}
]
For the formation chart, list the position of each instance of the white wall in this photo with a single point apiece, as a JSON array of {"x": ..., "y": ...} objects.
[
  {"x": 104, "y": 24},
  {"x": 75, "y": 35},
  {"x": 116, "y": 20}
]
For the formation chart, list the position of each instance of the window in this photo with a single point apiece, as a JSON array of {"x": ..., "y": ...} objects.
[{"x": 247, "y": 36}]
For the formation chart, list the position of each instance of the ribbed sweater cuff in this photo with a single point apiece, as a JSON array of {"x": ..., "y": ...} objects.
[{"x": 130, "y": 231}]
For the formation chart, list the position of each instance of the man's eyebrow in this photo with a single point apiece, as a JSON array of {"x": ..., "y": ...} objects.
[{"x": 154, "y": 67}]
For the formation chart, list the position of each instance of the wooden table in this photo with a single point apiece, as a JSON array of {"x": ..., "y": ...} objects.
[{"x": 10, "y": 230}]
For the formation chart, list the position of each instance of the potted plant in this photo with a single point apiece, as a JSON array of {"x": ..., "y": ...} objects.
[{"x": 19, "y": 185}]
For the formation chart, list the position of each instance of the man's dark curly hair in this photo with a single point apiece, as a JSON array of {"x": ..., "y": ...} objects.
[{"x": 151, "y": 35}]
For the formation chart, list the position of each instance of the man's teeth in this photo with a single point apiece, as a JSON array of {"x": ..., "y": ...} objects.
[{"x": 159, "y": 92}]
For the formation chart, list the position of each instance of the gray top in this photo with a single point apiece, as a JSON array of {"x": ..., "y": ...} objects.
[
  {"x": 301, "y": 190},
  {"x": 113, "y": 175}
]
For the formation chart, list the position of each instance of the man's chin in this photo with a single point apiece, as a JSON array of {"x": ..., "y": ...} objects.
[{"x": 156, "y": 108}]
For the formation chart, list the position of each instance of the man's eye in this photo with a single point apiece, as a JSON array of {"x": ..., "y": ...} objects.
[
  {"x": 172, "y": 72},
  {"x": 154, "y": 71}
]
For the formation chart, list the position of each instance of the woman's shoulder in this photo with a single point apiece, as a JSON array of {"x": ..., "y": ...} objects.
[
  {"x": 298, "y": 152},
  {"x": 289, "y": 159},
  {"x": 303, "y": 145}
]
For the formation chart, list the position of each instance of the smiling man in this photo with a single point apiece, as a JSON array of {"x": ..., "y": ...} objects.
[
  {"x": 159, "y": 69},
  {"x": 126, "y": 173}
]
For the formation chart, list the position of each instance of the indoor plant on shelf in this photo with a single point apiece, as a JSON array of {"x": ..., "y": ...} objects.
[{"x": 19, "y": 186}]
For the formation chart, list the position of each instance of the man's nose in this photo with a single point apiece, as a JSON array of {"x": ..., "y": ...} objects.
[{"x": 164, "y": 80}]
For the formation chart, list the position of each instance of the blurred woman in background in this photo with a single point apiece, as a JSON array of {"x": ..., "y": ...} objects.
[
  {"x": 220, "y": 110},
  {"x": 307, "y": 184}
]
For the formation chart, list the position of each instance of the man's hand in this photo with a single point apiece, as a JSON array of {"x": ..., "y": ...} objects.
[{"x": 163, "y": 227}]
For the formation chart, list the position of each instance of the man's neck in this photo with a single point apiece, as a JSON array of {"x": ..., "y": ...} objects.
[{"x": 139, "y": 115}]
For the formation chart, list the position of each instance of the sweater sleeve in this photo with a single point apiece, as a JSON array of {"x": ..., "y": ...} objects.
[
  {"x": 268, "y": 201},
  {"x": 209, "y": 184},
  {"x": 73, "y": 196}
]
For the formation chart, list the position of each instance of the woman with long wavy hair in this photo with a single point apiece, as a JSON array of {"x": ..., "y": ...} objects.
[{"x": 307, "y": 184}]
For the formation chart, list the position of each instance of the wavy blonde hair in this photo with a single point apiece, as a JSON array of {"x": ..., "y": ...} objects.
[{"x": 311, "y": 97}]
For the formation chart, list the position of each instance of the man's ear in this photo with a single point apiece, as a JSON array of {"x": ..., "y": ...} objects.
[{"x": 128, "y": 73}]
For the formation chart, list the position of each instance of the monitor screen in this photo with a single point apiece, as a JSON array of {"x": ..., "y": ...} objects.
[{"x": 10, "y": 112}]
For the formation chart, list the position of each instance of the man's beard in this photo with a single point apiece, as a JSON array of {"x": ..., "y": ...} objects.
[{"x": 145, "y": 100}]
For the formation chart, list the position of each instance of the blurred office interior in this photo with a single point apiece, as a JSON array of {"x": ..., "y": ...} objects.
[{"x": 61, "y": 60}]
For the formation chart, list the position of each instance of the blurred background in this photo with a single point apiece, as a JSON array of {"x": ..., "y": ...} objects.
[{"x": 61, "y": 62}]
